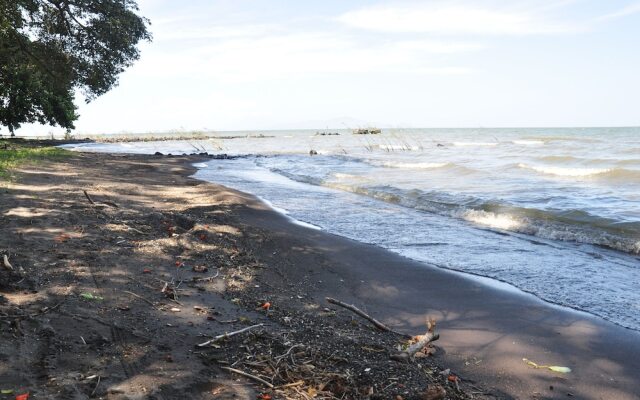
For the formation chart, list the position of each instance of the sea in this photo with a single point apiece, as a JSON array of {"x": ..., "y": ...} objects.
[{"x": 554, "y": 212}]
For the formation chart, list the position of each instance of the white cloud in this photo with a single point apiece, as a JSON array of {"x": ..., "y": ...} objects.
[
  {"x": 624, "y": 12},
  {"x": 452, "y": 19},
  {"x": 229, "y": 58}
]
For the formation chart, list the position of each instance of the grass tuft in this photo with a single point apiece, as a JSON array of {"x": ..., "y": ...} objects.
[{"x": 13, "y": 154}]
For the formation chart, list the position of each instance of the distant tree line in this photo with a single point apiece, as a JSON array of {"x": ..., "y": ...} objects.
[{"x": 49, "y": 49}]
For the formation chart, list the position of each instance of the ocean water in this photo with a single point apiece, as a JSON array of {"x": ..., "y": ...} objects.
[{"x": 554, "y": 212}]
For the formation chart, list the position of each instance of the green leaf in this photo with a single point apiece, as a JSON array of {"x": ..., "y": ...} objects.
[
  {"x": 90, "y": 296},
  {"x": 562, "y": 370},
  {"x": 6, "y": 391}
]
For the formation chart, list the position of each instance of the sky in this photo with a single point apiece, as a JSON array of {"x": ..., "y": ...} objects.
[{"x": 286, "y": 64}]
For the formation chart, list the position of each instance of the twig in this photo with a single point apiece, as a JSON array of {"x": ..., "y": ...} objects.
[
  {"x": 104, "y": 203},
  {"x": 364, "y": 315},
  {"x": 88, "y": 197},
  {"x": 95, "y": 388},
  {"x": 6, "y": 263},
  {"x": 140, "y": 297},
  {"x": 227, "y": 335},
  {"x": 255, "y": 378}
]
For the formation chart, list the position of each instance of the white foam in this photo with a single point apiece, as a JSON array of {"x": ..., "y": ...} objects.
[
  {"x": 417, "y": 165},
  {"x": 487, "y": 144},
  {"x": 492, "y": 220},
  {"x": 564, "y": 171},
  {"x": 200, "y": 165},
  {"x": 285, "y": 213},
  {"x": 528, "y": 142}
]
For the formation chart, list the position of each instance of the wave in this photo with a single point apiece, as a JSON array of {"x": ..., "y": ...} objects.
[
  {"x": 565, "y": 171},
  {"x": 528, "y": 142},
  {"x": 483, "y": 144},
  {"x": 569, "y": 225},
  {"x": 414, "y": 165},
  {"x": 610, "y": 174}
]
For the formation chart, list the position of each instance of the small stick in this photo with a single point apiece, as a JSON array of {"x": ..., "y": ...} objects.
[
  {"x": 95, "y": 388},
  {"x": 140, "y": 297},
  {"x": 227, "y": 335},
  {"x": 88, "y": 197},
  {"x": 255, "y": 378},
  {"x": 288, "y": 385},
  {"x": 364, "y": 315},
  {"x": 6, "y": 263}
]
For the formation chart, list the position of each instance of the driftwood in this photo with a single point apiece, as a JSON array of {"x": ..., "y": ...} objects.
[
  {"x": 420, "y": 342},
  {"x": 6, "y": 263},
  {"x": 227, "y": 335},
  {"x": 255, "y": 378},
  {"x": 364, "y": 315}
]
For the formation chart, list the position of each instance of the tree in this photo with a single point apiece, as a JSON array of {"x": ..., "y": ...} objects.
[{"x": 51, "y": 48}]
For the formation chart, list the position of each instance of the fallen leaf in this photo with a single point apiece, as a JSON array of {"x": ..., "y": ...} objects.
[
  {"x": 23, "y": 396},
  {"x": 90, "y": 296},
  {"x": 264, "y": 396},
  {"x": 6, "y": 391},
  {"x": 266, "y": 306},
  {"x": 63, "y": 237},
  {"x": 434, "y": 392},
  {"x": 146, "y": 271},
  {"x": 562, "y": 370},
  {"x": 199, "y": 268}
]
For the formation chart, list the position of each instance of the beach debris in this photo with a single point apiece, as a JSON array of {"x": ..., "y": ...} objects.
[
  {"x": 247, "y": 375},
  {"x": 228, "y": 335},
  {"x": 266, "y": 306},
  {"x": 138, "y": 296},
  {"x": 264, "y": 396},
  {"x": 24, "y": 396},
  {"x": 200, "y": 268},
  {"x": 554, "y": 368},
  {"x": 104, "y": 202},
  {"x": 419, "y": 343},
  {"x": 146, "y": 271},
  {"x": 434, "y": 392},
  {"x": 364, "y": 315},
  {"x": 91, "y": 296},
  {"x": 6, "y": 263},
  {"x": 61, "y": 238},
  {"x": 6, "y": 391},
  {"x": 174, "y": 309}
]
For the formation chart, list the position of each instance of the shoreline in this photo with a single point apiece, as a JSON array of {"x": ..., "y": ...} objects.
[
  {"x": 602, "y": 378},
  {"x": 262, "y": 256}
]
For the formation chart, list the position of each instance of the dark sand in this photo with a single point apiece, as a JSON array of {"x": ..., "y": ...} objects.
[{"x": 144, "y": 350}]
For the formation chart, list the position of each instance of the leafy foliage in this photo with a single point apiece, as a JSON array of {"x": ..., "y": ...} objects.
[{"x": 50, "y": 48}]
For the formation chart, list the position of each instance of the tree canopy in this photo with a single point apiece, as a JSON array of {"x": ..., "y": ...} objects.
[{"x": 51, "y": 48}]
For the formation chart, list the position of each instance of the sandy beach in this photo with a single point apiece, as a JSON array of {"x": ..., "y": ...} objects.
[{"x": 83, "y": 312}]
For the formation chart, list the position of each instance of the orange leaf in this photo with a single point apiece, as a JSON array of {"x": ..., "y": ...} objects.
[
  {"x": 146, "y": 271},
  {"x": 24, "y": 396},
  {"x": 264, "y": 396},
  {"x": 452, "y": 378},
  {"x": 266, "y": 306}
]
